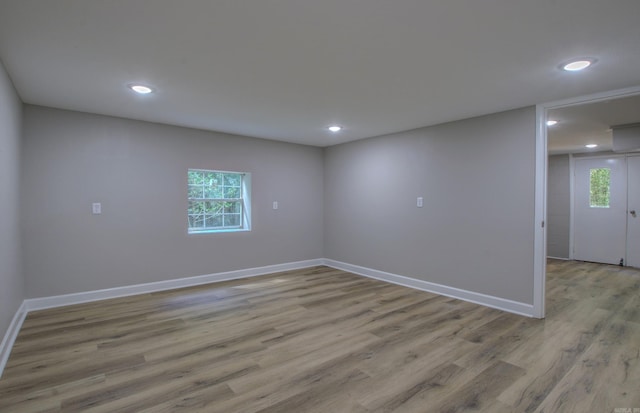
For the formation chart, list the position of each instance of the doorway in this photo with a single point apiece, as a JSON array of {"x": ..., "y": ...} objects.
[{"x": 543, "y": 150}]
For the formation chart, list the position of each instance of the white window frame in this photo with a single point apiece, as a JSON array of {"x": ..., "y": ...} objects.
[{"x": 244, "y": 200}]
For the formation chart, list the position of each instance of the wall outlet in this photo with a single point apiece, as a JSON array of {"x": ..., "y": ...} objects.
[
  {"x": 96, "y": 208},
  {"x": 419, "y": 202}
]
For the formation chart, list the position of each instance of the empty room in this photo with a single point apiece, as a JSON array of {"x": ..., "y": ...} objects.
[{"x": 329, "y": 206}]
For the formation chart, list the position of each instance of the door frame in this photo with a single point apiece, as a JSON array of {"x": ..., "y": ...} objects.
[
  {"x": 540, "y": 187},
  {"x": 629, "y": 156}
]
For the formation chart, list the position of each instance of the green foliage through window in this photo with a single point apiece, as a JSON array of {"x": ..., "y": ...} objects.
[
  {"x": 599, "y": 187},
  {"x": 215, "y": 200}
]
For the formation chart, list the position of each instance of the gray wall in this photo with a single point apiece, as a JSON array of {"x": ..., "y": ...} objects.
[
  {"x": 11, "y": 281},
  {"x": 138, "y": 171},
  {"x": 475, "y": 231},
  {"x": 558, "y": 206}
]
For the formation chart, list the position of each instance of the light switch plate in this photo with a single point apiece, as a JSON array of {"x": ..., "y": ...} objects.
[{"x": 96, "y": 208}]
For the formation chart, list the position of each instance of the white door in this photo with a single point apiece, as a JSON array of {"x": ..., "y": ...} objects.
[
  {"x": 633, "y": 215},
  {"x": 600, "y": 210}
]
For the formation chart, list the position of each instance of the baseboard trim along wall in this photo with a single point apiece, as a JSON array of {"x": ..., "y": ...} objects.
[
  {"x": 42, "y": 303},
  {"x": 11, "y": 335},
  {"x": 473, "y": 297}
]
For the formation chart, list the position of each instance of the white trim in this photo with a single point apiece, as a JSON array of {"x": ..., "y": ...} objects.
[
  {"x": 540, "y": 214},
  {"x": 559, "y": 258},
  {"x": 596, "y": 97},
  {"x": 572, "y": 177},
  {"x": 628, "y": 250},
  {"x": 610, "y": 155},
  {"x": 42, "y": 303},
  {"x": 465, "y": 295},
  {"x": 11, "y": 335}
]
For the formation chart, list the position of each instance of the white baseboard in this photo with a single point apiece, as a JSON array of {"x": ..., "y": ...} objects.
[
  {"x": 42, "y": 303},
  {"x": 558, "y": 258},
  {"x": 11, "y": 335},
  {"x": 477, "y": 298}
]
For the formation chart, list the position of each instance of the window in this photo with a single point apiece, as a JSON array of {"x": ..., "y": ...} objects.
[
  {"x": 218, "y": 201},
  {"x": 599, "y": 191}
]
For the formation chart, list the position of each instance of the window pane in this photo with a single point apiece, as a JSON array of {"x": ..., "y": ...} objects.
[
  {"x": 195, "y": 207},
  {"x": 599, "y": 187},
  {"x": 231, "y": 192},
  {"x": 216, "y": 221},
  {"x": 232, "y": 179},
  {"x": 211, "y": 178},
  {"x": 195, "y": 191},
  {"x": 212, "y": 192},
  {"x": 216, "y": 207},
  {"x": 196, "y": 221},
  {"x": 196, "y": 177},
  {"x": 232, "y": 207},
  {"x": 232, "y": 220}
]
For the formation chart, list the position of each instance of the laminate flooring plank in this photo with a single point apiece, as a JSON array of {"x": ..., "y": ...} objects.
[
  {"x": 135, "y": 395},
  {"x": 611, "y": 359},
  {"x": 550, "y": 363},
  {"x": 412, "y": 390},
  {"x": 480, "y": 392},
  {"x": 275, "y": 384}
]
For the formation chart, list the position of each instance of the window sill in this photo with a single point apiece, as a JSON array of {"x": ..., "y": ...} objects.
[{"x": 218, "y": 231}]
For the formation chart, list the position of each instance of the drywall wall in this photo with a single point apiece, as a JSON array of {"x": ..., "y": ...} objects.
[
  {"x": 626, "y": 138},
  {"x": 138, "y": 172},
  {"x": 11, "y": 281},
  {"x": 558, "y": 206},
  {"x": 475, "y": 231}
]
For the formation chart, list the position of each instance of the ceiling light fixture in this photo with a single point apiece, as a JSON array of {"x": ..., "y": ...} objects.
[
  {"x": 141, "y": 89},
  {"x": 335, "y": 128},
  {"x": 577, "y": 65},
  {"x": 591, "y": 146},
  {"x": 551, "y": 122}
]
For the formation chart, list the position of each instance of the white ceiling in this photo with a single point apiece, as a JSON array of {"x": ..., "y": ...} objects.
[
  {"x": 287, "y": 69},
  {"x": 590, "y": 123}
]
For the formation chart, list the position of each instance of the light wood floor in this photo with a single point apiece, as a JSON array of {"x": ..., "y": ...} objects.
[{"x": 322, "y": 340}]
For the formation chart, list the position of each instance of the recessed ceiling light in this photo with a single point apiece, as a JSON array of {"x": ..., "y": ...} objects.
[
  {"x": 591, "y": 146},
  {"x": 335, "y": 128},
  {"x": 141, "y": 89},
  {"x": 577, "y": 65},
  {"x": 551, "y": 122}
]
